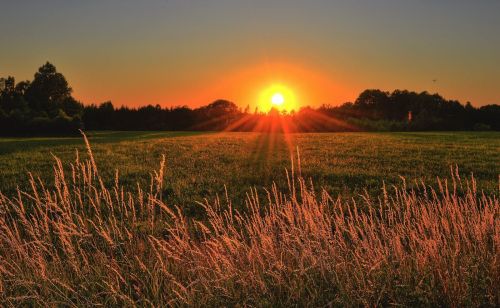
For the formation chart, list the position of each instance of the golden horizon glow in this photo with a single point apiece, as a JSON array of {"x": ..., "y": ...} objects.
[
  {"x": 250, "y": 85},
  {"x": 278, "y": 96}
]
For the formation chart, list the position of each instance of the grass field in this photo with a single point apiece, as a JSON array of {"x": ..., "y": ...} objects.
[
  {"x": 95, "y": 238},
  {"x": 198, "y": 165}
]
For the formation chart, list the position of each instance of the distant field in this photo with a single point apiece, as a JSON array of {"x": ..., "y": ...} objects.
[{"x": 198, "y": 165}]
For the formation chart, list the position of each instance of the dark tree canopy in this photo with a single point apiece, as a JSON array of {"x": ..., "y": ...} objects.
[
  {"x": 45, "y": 106},
  {"x": 48, "y": 90},
  {"x": 42, "y": 106}
]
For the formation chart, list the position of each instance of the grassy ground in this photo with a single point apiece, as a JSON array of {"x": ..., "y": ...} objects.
[
  {"x": 89, "y": 241},
  {"x": 198, "y": 165}
]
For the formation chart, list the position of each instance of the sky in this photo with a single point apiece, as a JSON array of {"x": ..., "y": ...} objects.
[{"x": 191, "y": 52}]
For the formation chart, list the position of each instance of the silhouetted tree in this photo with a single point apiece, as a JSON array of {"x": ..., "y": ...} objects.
[
  {"x": 42, "y": 106},
  {"x": 48, "y": 89},
  {"x": 45, "y": 105}
]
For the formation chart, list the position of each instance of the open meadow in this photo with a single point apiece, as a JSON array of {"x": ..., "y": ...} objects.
[
  {"x": 199, "y": 165},
  {"x": 79, "y": 233}
]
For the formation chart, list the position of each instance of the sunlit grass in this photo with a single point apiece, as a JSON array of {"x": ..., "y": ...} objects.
[
  {"x": 199, "y": 165},
  {"x": 86, "y": 242}
]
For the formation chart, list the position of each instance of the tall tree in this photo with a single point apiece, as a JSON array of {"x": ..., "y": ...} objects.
[{"x": 48, "y": 90}]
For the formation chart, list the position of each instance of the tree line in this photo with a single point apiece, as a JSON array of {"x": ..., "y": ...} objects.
[{"x": 45, "y": 105}]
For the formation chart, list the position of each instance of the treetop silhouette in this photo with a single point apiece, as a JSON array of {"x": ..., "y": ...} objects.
[{"x": 46, "y": 106}]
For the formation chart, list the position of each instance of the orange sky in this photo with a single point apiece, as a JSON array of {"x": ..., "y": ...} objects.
[
  {"x": 244, "y": 86},
  {"x": 181, "y": 52},
  {"x": 312, "y": 85}
]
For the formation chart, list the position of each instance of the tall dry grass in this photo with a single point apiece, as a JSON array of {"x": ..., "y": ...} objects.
[{"x": 82, "y": 243}]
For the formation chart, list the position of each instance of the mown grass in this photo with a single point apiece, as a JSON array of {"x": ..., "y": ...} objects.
[
  {"x": 199, "y": 165},
  {"x": 85, "y": 242}
]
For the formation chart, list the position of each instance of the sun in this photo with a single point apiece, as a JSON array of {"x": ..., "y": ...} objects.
[
  {"x": 277, "y": 96},
  {"x": 277, "y": 99}
]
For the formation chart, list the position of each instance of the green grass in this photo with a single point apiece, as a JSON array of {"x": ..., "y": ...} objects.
[
  {"x": 91, "y": 241},
  {"x": 198, "y": 165}
]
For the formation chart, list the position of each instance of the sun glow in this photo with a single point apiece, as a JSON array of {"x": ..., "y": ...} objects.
[{"x": 279, "y": 97}]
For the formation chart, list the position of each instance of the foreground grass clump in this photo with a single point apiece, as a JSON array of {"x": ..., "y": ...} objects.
[{"x": 83, "y": 243}]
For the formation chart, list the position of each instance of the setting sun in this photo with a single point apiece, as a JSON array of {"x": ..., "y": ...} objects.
[
  {"x": 277, "y": 96},
  {"x": 278, "y": 99}
]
